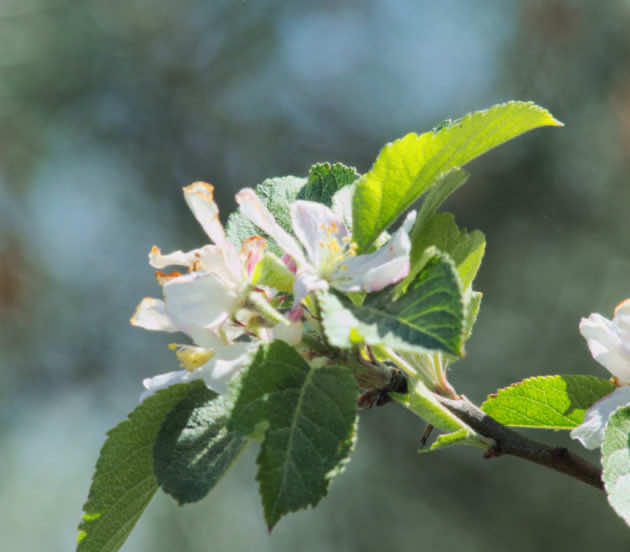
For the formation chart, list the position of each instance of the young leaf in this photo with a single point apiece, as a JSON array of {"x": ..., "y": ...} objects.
[
  {"x": 616, "y": 462},
  {"x": 276, "y": 194},
  {"x": 441, "y": 231},
  {"x": 429, "y": 316},
  {"x": 271, "y": 271},
  {"x": 444, "y": 186},
  {"x": 406, "y": 168},
  {"x": 325, "y": 180},
  {"x": 193, "y": 449},
  {"x": 310, "y": 414},
  {"x": 123, "y": 482},
  {"x": 472, "y": 301},
  {"x": 548, "y": 402},
  {"x": 422, "y": 402}
]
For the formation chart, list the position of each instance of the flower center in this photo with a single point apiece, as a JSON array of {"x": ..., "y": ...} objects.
[{"x": 334, "y": 252}]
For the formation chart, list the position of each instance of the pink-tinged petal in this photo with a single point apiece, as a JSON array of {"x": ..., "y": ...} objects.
[
  {"x": 387, "y": 274},
  {"x": 253, "y": 209},
  {"x": 200, "y": 199},
  {"x": 290, "y": 263},
  {"x": 178, "y": 258},
  {"x": 198, "y": 300},
  {"x": 162, "y": 381},
  {"x": 151, "y": 315},
  {"x": 591, "y": 431},
  {"x": 605, "y": 343},
  {"x": 317, "y": 227},
  {"x": 228, "y": 361},
  {"x": 253, "y": 250}
]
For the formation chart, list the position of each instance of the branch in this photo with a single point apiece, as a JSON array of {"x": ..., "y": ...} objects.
[{"x": 507, "y": 441}]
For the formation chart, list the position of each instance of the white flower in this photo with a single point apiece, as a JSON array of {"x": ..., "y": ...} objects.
[
  {"x": 328, "y": 256},
  {"x": 609, "y": 343},
  {"x": 214, "y": 290},
  {"x": 214, "y": 303}
]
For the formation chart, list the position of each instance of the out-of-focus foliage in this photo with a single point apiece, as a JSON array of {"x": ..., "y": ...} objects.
[{"x": 108, "y": 108}]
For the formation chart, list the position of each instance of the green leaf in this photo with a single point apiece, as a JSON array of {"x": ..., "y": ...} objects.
[
  {"x": 325, "y": 180},
  {"x": 444, "y": 186},
  {"x": 429, "y": 316},
  {"x": 441, "y": 231},
  {"x": 276, "y": 194},
  {"x": 271, "y": 271},
  {"x": 193, "y": 449},
  {"x": 407, "y": 167},
  {"x": 548, "y": 402},
  {"x": 471, "y": 310},
  {"x": 123, "y": 482},
  {"x": 422, "y": 402},
  {"x": 616, "y": 462},
  {"x": 311, "y": 415}
]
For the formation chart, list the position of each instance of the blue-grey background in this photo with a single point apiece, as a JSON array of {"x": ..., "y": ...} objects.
[{"x": 108, "y": 108}]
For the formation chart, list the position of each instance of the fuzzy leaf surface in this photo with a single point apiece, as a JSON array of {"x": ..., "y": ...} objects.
[
  {"x": 193, "y": 449},
  {"x": 310, "y": 417},
  {"x": 324, "y": 180},
  {"x": 276, "y": 194},
  {"x": 549, "y": 402},
  {"x": 123, "y": 482},
  {"x": 407, "y": 167}
]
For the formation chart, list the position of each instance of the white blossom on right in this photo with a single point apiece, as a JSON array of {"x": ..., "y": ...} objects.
[{"x": 609, "y": 343}]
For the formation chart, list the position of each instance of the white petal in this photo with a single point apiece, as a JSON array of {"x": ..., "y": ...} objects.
[
  {"x": 161, "y": 381},
  {"x": 179, "y": 258},
  {"x": 227, "y": 362},
  {"x": 304, "y": 284},
  {"x": 198, "y": 300},
  {"x": 292, "y": 333},
  {"x": 342, "y": 204},
  {"x": 387, "y": 274},
  {"x": 409, "y": 221},
  {"x": 591, "y": 432},
  {"x": 384, "y": 267},
  {"x": 212, "y": 259},
  {"x": 151, "y": 315},
  {"x": 254, "y": 210},
  {"x": 606, "y": 346},
  {"x": 621, "y": 320},
  {"x": 200, "y": 199},
  {"x": 316, "y": 226}
]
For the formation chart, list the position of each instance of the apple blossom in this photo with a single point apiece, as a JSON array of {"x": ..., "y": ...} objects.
[
  {"x": 327, "y": 256},
  {"x": 214, "y": 303},
  {"x": 609, "y": 343}
]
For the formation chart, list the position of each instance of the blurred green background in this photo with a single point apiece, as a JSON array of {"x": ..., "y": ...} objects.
[{"x": 108, "y": 108}]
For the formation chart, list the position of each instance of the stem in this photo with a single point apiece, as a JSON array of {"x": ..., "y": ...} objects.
[{"x": 507, "y": 441}]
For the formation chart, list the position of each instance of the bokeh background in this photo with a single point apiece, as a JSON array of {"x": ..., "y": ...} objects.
[{"x": 108, "y": 108}]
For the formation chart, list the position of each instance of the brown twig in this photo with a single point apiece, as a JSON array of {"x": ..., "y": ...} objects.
[{"x": 507, "y": 441}]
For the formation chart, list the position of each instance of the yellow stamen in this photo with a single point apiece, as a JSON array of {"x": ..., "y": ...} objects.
[{"x": 191, "y": 357}]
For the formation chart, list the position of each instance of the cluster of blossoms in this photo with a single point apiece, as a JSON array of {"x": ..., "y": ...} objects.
[
  {"x": 609, "y": 343},
  {"x": 221, "y": 307}
]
